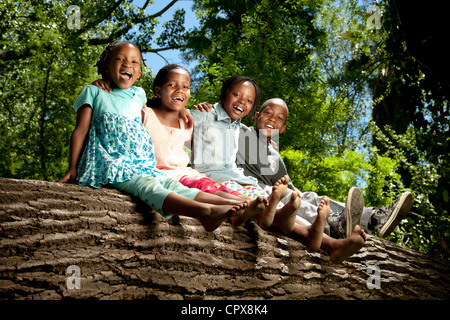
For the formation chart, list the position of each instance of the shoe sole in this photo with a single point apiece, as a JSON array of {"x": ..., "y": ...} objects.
[
  {"x": 401, "y": 210},
  {"x": 354, "y": 206}
]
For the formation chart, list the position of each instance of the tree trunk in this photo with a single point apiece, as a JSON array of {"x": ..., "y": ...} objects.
[{"x": 67, "y": 241}]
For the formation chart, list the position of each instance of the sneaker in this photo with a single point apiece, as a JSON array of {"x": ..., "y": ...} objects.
[
  {"x": 387, "y": 218},
  {"x": 342, "y": 224}
]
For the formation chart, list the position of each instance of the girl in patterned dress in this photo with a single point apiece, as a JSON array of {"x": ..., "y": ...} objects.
[
  {"x": 119, "y": 151},
  {"x": 163, "y": 119}
]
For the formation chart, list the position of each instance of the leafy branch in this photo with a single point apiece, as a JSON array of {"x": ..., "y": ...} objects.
[{"x": 32, "y": 48}]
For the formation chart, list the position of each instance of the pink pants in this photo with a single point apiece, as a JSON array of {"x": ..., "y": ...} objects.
[{"x": 206, "y": 185}]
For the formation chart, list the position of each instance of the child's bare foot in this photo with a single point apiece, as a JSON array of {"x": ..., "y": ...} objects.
[
  {"x": 213, "y": 215},
  {"x": 279, "y": 191},
  {"x": 344, "y": 248},
  {"x": 316, "y": 230},
  {"x": 285, "y": 217},
  {"x": 254, "y": 207}
]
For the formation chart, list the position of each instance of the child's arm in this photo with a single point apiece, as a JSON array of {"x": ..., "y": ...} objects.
[
  {"x": 184, "y": 113},
  {"x": 204, "y": 106},
  {"x": 186, "y": 116},
  {"x": 102, "y": 84},
  {"x": 84, "y": 115}
]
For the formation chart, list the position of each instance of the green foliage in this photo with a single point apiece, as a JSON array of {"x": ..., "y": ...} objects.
[
  {"x": 384, "y": 183},
  {"x": 146, "y": 81},
  {"x": 37, "y": 92},
  {"x": 335, "y": 74},
  {"x": 332, "y": 176},
  {"x": 412, "y": 126},
  {"x": 44, "y": 64},
  {"x": 271, "y": 42},
  {"x": 410, "y": 111},
  {"x": 335, "y": 175},
  {"x": 429, "y": 225}
]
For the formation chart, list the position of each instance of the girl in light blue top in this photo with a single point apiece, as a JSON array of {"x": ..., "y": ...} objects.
[{"x": 119, "y": 151}]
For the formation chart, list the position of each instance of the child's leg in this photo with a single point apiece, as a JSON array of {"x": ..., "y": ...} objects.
[
  {"x": 279, "y": 190},
  {"x": 256, "y": 207},
  {"x": 316, "y": 229},
  {"x": 341, "y": 249},
  {"x": 169, "y": 197},
  {"x": 337, "y": 249},
  {"x": 285, "y": 214},
  {"x": 311, "y": 236},
  {"x": 205, "y": 184},
  {"x": 201, "y": 197},
  {"x": 209, "y": 188},
  {"x": 285, "y": 217},
  {"x": 210, "y": 215},
  {"x": 215, "y": 199}
]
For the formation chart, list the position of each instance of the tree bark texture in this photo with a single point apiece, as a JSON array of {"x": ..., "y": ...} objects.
[{"x": 122, "y": 250}]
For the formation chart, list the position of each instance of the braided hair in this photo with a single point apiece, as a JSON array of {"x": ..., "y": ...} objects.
[
  {"x": 103, "y": 60},
  {"x": 159, "y": 80}
]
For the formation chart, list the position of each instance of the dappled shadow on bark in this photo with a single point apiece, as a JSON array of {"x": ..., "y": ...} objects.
[{"x": 125, "y": 251}]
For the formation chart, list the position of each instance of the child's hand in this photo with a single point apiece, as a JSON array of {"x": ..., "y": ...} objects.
[
  {"x": 204, "y": 106},
  {"x": 69, "y": 177},
  {"x": 187, "y": 118},
  {"x": 102, "y": 84}
]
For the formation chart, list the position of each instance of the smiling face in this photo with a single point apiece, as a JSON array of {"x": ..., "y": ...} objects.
[
  {"x": 271, "y": 119},
  {"x": 124, "y": 66},
  {"x": 239, "y": 101},
  {"x": 175, "y": 91}
]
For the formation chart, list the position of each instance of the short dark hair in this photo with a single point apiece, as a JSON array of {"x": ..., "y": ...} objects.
[
  {"x": 103, "y": 60},
  {"x": 229, "y": 84},
  {"x": 265, "y": 103}
]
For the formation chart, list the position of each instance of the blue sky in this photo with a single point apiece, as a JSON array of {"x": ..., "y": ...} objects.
[{"x": 172, "y": 56}]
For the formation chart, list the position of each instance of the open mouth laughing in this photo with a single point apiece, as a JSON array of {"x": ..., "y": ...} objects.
[
  {"x": 241, "y": 110},
  {"x": 178, "y": 99},
  {"x": 125, "y": 75}
]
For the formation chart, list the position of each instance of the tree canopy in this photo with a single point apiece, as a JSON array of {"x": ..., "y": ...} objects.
[{"x": 367, "y": 106}]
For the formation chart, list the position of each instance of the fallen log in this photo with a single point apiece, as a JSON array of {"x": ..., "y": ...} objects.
[{"x": 62, "y": 241}]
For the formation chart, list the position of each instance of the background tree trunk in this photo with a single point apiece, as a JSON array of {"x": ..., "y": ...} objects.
[{"x": 124, "y": 251}]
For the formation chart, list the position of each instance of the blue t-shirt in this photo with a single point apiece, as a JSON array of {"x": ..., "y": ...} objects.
[
  {"x": 118, "y": 147},
  {"x": 215, "y": 146}
]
